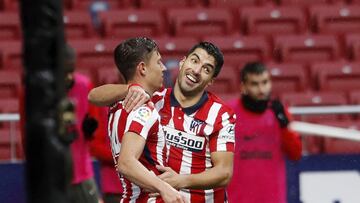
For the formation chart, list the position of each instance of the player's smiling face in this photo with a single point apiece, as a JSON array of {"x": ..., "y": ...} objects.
[{"x": 196, "y": 72}]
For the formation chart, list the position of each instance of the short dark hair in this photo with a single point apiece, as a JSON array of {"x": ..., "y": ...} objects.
[
  {"x": 131, "y": 52},
  {"x": 252, "y": 68},
  {"x": 212, "y": 50}
]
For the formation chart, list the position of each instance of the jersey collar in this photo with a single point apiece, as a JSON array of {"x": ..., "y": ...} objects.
[{"x": 192, "y": 109}]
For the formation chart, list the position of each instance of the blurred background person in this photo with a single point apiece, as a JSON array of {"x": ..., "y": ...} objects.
[
  {"x": 83, "y": 187},
  {"x": 100, "y": 148},
  {"x": 263, "y": 140}
]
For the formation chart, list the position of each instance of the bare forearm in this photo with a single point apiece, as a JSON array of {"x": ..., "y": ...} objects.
[
  {"x": 212, "y": 178},
  {"x": 108, "y": 94},
  {"x": 135, "y": 172}
]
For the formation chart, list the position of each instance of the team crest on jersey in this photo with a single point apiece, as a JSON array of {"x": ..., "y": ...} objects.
[
  {"x": 195, "y": 126},
  {"x": 183, "y": 140},
  {"x": 143, "y": 114}
]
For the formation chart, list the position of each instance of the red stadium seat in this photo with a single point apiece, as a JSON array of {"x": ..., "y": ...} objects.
[
  {"x": 199, "y": 22},
  {"x": 307, "y": 48},
  {"x": 10, "y": 82},
  {"x": 309, "y": 2},
  {"x": 165, "y": 4},
  {"x": 316, "y": 68},
  {"x": 10, "y": 55},
  {"x": 9, "y": 26},
  {"x": 225, "y": 82},
  {"x": 340, "y": 79},
  {"x": 238, "y": 50},
  {"x": 269, "y": 20},
  {"x": 9, "y": 105},
  {"x": 287, "y": 77},
  {"x": 355, "y": 97},
  {"x": 94, "y": 53},
  {"x": 173, "y": 49},
  {"x": 336, "y": 19},
  {"x": 78, "y": 24},
  {"x": 316, "y": 99},
  {"x": 131, "y": 23},
  {"x": 234, "y": 3},
  {"x": 352, "y": 44},
  {"x": 114, "y": 4},
  {"x": 10, "y": 5}
]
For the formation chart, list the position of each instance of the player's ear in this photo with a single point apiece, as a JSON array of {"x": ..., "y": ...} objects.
[
  {"x": 181, "y": 63},
  {"x": 141, "y": 67}
]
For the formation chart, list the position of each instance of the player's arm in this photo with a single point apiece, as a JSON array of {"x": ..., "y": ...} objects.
[
  {"x": 218, "y": 176},
  {"x": 290, "y": 140},
  {"x": 129, "y": 165},
  {"x": 106, "y": 95}
]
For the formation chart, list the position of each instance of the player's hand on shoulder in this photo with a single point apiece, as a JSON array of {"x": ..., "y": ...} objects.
[{"x": 136, "y": 97}]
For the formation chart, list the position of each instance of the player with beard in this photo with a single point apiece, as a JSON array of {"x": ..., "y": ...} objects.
[
  {"x": 199, "y": 127},
  {"x": 263, "y": 141}
]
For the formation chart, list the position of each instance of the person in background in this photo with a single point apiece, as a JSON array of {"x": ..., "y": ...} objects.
[
  {"x": 83, "y": 187},
  {"x": 263, "y": 140}
]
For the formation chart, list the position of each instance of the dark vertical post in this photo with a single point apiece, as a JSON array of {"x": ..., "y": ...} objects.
[{"x": 48, "y": 165}]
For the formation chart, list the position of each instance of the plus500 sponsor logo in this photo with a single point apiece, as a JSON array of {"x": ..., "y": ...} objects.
[{"x": 184, "y": 140}]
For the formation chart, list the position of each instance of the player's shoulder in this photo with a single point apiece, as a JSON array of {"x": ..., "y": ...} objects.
[
  {"x": 145, "y": 112},
  {"x": 225, "y": 107}
]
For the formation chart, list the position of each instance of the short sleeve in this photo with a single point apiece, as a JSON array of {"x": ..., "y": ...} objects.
[
  {"x": 142, "y": 120},
  {"x": 224, "y": 138}
]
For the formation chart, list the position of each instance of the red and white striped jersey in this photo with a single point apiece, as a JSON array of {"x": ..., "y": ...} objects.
[
  {"x": 192, "y": 134},
  {"x": 145, "y": 121}
]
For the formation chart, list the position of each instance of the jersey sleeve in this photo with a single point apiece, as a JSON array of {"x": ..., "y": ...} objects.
[
  {"x": 224, "y": 138},
  {"x": 141, "y": 121}
]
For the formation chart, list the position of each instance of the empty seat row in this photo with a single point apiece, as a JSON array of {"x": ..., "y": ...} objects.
[
  {"x": 200, "y": 22},
  {"x": 304, "y": 49},
  {"x": 115, "y": 4}
]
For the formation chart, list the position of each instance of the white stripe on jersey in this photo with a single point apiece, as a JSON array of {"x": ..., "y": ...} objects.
[
  {"x": 221, "y": 143},
  {"x": 213, "y": 112},
  {"x": 135, "y": 192},
  {"x": 159, "y": 148},
  {"x": 114, "y": 134},
  {"x": 209, "y": 196}
]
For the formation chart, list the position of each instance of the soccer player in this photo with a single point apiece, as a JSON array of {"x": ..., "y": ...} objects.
[
  {"x": 137, "y": 141},
  {"x": 263, "y": 141},
  {"x": 198, "y": 126}
]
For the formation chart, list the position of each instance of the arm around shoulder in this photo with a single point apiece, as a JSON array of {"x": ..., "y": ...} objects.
[{"x": 108, "y": 94}]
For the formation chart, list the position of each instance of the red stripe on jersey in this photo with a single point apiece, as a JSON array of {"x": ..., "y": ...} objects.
[
  {"x": 176, "y": 154},
  {"x": 219, "y": 195},
  {"x": 135, "y": 127}
]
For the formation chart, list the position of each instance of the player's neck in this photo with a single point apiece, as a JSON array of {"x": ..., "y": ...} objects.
[
  {"x": 145, "y": 86},
  {"x": 186, "y": 100}
]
